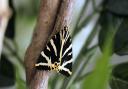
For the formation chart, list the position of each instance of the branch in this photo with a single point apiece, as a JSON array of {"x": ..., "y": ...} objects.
[
  {"x": 45, "y": 23},
  {"x": 53, "y": 16},
  {"x": 5, "y": 14},
  {"x": 64, "y": 16}
]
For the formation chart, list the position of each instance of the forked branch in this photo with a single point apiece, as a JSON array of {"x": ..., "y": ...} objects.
[{"x": 53, "y": 16}]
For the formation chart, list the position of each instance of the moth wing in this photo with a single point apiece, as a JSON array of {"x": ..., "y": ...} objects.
[
  {"x": 50, "y": 53},
  {"x": 66, "y": 64}
]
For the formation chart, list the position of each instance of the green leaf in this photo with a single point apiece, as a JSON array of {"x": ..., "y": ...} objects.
[
  {"x": 119, "y": 79},
  {"x": 77, "y": 30},
  {"x": 119, "y": 7},
  {"x": 20, "y": 83},
  {"x": 117, "y": 25},
  {"x": 121, "y": 39},
  {"x": 110, "y": 24},
  {"x": 99, "y": 77}
]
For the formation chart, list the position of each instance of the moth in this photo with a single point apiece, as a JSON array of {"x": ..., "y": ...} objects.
[{"x": 57, "y": 55}]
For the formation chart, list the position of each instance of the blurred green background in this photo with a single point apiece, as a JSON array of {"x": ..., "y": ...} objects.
[{"x": 99, "y": 30}]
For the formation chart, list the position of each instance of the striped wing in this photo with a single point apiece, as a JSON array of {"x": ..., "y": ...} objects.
[{"x": 58, "y": 50}]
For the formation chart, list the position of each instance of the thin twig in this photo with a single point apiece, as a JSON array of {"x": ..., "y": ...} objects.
[
  {"x": 80, "y": 78},
  {"x": 64, "y": 15},
  {"x": 85, "y": 22},
  {"x": 14, "y": 52},
  {"x": 79, "y": 18}
]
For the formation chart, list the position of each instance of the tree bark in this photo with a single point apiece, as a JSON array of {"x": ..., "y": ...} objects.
[{"x": 53, "y": 16}]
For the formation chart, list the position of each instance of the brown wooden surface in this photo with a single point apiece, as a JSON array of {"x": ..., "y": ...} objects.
[{"x": 53, "y": 16}]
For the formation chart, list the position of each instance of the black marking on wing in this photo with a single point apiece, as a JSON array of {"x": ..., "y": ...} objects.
[
  {"x": 40, "y": 59},
  {"x": 64, "y": 73},
  {"x": 52, "y": 53},
  {"x": 43, "y": 68}
]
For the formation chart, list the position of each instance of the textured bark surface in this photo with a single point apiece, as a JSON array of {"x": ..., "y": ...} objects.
[{"x": 53, "y": 16}]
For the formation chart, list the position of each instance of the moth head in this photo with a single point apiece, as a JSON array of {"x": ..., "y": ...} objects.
[
  {"x": 55, "y": 66},
  {"x": 55, "y": 63},
  {"x": 65, "y": 28}
]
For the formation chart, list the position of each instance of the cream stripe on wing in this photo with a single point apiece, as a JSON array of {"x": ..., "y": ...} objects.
[
  {"x": 70, "y": 53},
  {"x": 62, "y": 45},
  {"x": 54, "y": 47},
  {"x": 41, "y": 64},
  {"x": 67, "y": 62},
  {"x": 48, "y": 60},
  {"x": 67, "y": 36},
  {"x": 67, "y": 49},
  {"x": 65, "y": 69},
  {"x": 48, "y": 48}
]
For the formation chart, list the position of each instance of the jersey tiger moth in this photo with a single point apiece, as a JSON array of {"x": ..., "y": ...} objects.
[{"x": 57, "y": 55}]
